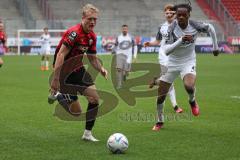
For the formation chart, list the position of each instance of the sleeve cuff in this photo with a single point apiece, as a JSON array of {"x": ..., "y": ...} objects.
[
  {"x": 91, "y": 52},
  {"x": 67, "y": 45}
]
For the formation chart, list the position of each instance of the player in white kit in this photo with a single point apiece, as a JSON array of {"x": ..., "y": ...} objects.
[
  {"x": 163, "y": 58},
  {"x": 45, "y": 49},
  {"x": 124, "y": 52},
  {"x": 180, "y": 46}
]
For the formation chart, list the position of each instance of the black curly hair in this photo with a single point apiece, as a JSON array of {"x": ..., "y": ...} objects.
[{"x": 183, "y": 5}]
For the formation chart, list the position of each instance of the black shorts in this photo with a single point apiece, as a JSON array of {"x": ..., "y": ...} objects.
[{"x": 79, "y": 80}]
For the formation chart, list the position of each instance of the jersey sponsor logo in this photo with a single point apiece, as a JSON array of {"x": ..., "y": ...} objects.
[
  {"x": 124, "y": 45},
  {"x": 72, "y": 36},
  {"x": 165, "y": 35},
  {"x": 90, "y": 42},
  {"x": 187, "y": 43}
]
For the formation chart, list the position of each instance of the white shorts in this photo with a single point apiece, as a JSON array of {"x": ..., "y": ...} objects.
[
  {"x": 173, "y": 72},
  {"x": 121, "y": 62},
  {"x": 45, "y": 50}
]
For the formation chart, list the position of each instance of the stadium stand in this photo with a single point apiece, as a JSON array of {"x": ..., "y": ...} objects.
[
  {"x": 35, "y": 9},
  {"x": 142, "y": 16},
  {"x": 220, "y": 11},
  {"x": 233, "y": 6},
  {"x": 10, "y": 16}
]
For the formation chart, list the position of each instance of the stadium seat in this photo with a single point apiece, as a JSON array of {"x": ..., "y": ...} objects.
[{"x": 233, "y": 6}]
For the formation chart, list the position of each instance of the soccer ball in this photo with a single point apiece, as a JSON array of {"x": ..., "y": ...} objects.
[{"x": 117, "y": 143}]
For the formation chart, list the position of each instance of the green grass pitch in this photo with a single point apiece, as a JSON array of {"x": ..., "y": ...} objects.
[{"x": 28, "y": 129}]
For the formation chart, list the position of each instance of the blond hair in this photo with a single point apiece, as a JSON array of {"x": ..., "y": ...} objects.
[
  {"x": 89, "y": 8},
  {"x": 168, "y": 7}
]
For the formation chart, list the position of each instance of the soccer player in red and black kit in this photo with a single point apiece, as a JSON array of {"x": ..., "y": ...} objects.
[
  {"x": 77, "y": 41},
  {"x": 3, "y": 42}
]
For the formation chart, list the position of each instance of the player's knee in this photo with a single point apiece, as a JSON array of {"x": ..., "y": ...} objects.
[
  {"x": 93, "y": 100},
  {"x": 75, "y": 109},
  {"x": 189, "y": 88},
  {"x": 1, "y": 62},
  {"x": 161, "y": 99}
]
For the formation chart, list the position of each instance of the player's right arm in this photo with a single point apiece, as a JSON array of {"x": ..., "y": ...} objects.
[
  {"x": 169, "y": 48},
  {"x": 156, "y": 41},
  {"x": 114, "y": 50},
  {"x": 63, "y": 51},
  {"x": 69, "y": 39},
  {"x": 41, "y": 40},
  {"x": 152, "y": 43}
]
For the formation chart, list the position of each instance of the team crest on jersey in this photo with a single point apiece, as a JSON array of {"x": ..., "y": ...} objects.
[
  {"x": 90, "y": 42},
  {"x": 72, "y": 36},
  {"x": 83, "y": 48}
]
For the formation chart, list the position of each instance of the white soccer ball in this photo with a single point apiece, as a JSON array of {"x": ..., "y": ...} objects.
[{"x": 117, "y": 143}]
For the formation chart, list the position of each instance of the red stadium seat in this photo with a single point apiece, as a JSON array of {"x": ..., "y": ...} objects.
[{"x": 233, "y": 6}]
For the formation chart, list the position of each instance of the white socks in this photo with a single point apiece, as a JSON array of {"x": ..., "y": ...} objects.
[
  {"x": 172, "y": 96},
  {"x": 192, "y": 96}
]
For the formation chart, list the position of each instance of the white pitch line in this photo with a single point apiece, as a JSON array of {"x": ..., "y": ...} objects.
[{"x": 235, "y": 97}]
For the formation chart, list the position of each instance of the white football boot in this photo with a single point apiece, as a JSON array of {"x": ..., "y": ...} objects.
[{"x": 87, "y": 136}]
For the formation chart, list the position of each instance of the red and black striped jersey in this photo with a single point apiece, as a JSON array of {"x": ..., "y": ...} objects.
[
  {"x": 78, "y": 42},
  {"x": 3, "y": 37}
]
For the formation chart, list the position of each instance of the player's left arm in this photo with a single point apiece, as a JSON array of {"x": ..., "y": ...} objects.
[
  {"x": 93, "y": 59},
  {"x": 212, "y": 33},
  {"x": 95, "y": 62},
  {"x": 207, "y": 28}
]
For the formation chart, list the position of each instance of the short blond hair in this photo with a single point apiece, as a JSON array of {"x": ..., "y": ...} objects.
[
  {"x": 89, "y": 7},
  {"x": 168, "y": 7}
]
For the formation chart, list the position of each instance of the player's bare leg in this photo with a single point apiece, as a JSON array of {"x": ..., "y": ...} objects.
[
  {"x": 93, "y": 101},
  {"x": 172, "y": 94},
  {"x": 119, "y": 78},
  {"x": 189, "y": 84},
  {"x": 75, "y": 108},
  {"x": 43, "y": 63},
  {"x": 126, "y": 74},
  {"x": 1, "y": 62},
  {"x": 47, "y": 62},
  {"x": 162, "y": 93},
  {"x": 71, "y": 106}
]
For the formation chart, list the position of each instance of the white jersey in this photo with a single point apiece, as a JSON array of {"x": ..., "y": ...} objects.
[
  {"x": 125, "y": 45},
  {"x": 183, "y": 53},
  {"x": 162, "y": 34},
  {"x": 45, "y": 41}
]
